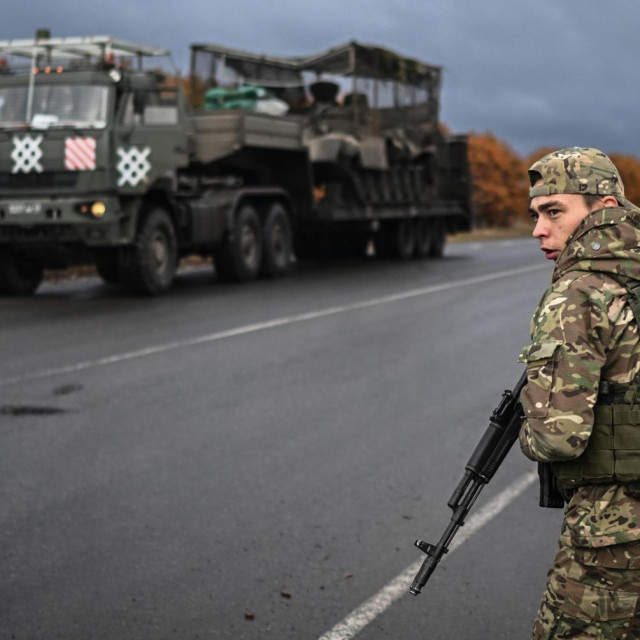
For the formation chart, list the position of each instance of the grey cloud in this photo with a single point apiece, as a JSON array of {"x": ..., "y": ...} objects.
[{"x": 554, "y": 72}]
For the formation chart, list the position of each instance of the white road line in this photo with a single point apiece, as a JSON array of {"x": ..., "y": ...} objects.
[
  {"x": 269, "y": 324},
  {"x": 368, "y": 611}
]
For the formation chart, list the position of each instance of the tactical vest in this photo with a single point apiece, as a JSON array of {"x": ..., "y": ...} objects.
[{"x": 612, "y": 454}]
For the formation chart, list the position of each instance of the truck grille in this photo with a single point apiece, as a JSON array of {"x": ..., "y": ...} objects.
[{"x": 46, "y": 180}]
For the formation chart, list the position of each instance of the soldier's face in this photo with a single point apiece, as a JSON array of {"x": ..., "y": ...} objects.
[{"x": 557, "y": 217}]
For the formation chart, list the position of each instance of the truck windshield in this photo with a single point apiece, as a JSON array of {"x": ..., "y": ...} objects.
[{"x": 54, "y": 105}]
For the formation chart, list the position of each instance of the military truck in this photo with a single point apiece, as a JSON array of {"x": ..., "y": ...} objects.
[{"x": 104, "y": 160}]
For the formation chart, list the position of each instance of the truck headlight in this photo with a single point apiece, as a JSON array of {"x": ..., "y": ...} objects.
[
  {"x": 95, "y": 209},
  {"x": 98, "y": 209}
]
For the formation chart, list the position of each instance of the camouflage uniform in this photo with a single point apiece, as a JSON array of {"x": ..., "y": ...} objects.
[{"x": 583, "y": 332}]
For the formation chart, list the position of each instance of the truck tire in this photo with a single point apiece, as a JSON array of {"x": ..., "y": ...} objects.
[
  {"x": 424, "y": 237},
  {"x": 276, "y": 242},
  {"x": 240, "y": 257},
  {"x": 149, "y": 266},
  {"x": 397, "y": 240},
  {"x": 19, "y": 274},
  {"x": 438, "y": 238}
]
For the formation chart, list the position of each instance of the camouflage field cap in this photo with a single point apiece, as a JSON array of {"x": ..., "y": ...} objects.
[{"x": 575, "y": 170}]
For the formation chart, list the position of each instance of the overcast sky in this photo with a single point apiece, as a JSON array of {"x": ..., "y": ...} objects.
[{"x": 546, "y": 73}]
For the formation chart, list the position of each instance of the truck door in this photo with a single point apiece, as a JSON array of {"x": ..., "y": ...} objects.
[{"x": 151, "y": 138}]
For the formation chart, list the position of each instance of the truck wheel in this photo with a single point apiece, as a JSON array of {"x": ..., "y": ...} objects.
[
  {"x": 240, "y": 257},
  {"x": 150, "y": 264},
  {"x": 438, "y": 238},
  {"x": 19, "y": 274},
  {"x": 424, "y": 237},
  {"x": 276, "y": 242},
  {"x": 397, "y": 240}
]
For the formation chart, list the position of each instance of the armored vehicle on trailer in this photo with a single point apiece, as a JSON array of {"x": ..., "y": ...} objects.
[
  {"x": 103, "y": 160},
  {"x": 380, "y": 167}
]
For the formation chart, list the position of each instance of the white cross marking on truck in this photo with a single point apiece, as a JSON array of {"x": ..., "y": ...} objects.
[
  {"x": 26, "y": 154},
  {"x": 133, "y": 165}
]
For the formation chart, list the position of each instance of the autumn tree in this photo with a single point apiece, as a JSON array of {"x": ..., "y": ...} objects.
[
  {"x": 629, "y": 168},
  {"x": 498, "y": 176}
]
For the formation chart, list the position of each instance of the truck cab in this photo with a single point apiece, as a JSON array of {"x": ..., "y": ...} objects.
[{"x": 85, "y": 132}]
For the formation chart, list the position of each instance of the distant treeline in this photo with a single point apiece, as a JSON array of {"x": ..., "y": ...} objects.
[{"x": 499, "y": 176}]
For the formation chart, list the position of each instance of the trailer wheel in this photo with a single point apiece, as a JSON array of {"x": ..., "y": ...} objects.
[
  {"x": 276, "y": 242},
  {"x": 240, "y": 257},
  {"x": 397, "y": 240},
  {"x": 149, "y": 266},
  {"x": 424, "y": 237},
  {"x": 438, "y": 238},
  {"x": 19, "y": 274}
]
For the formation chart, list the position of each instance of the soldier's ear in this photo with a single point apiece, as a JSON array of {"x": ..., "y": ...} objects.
[{"x": 610, "y": 201}]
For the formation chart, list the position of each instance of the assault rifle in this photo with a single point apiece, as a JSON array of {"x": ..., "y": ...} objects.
[{"x": 502, "y": 432}]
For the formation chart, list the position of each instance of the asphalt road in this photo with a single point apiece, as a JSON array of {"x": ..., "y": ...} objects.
[{"x": 256, "y": 461}]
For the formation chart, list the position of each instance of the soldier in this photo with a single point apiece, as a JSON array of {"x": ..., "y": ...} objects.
[{"x": 582, "y": 399}]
